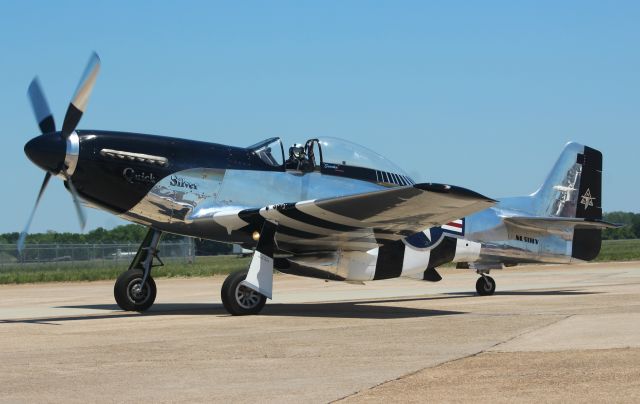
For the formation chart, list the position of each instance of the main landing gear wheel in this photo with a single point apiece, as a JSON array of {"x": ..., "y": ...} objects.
[
  {"x": 238, "y": 299},
  {"x": 485, "y": 286},
  {"x": 131, "y": 295}
]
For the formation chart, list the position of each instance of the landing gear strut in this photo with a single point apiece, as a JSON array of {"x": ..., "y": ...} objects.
[
  {"x": 135, "y": 289},
  {"x": 485, "y": 286}
]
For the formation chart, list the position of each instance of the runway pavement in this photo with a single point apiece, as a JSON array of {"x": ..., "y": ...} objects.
[{"x": 553, "y": 333}]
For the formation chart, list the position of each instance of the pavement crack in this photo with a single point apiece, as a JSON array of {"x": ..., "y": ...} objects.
[
  {"x": 565, "y": 317},
  {"x": 461, "y": 358}
]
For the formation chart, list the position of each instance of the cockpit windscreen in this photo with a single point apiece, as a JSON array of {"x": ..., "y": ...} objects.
[{"x": 270, "y": 151}]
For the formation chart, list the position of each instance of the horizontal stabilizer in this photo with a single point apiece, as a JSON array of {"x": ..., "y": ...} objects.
[{"x": 557, "y": 224}]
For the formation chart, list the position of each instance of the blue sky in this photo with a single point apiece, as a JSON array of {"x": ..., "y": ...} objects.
[{"x": 477, "y": 94}]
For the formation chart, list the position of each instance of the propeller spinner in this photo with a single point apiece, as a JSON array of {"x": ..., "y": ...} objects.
[{"x": 57, "y": 152}]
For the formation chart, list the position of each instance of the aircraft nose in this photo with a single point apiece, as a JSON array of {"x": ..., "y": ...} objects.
[{"x": 47, "y": 152}]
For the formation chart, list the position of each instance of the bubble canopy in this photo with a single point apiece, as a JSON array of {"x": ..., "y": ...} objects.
[
  {"x": 345, "y": 153},
  {"x": 332, "y": 156}
]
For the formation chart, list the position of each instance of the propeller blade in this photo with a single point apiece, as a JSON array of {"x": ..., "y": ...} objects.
[
  {"x": 81, "y": 97},
  {"x": 23, "y": 235},
  {"x": 76, "y": 201},
  {"x": 41, "y": 107}
]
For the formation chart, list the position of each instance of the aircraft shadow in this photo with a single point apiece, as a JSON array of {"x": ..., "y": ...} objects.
[
  {"x": 364, "y": 309},
  {"x": 361, "y": 309},
  {"x": 530, "y": 293},
  {"x": 370, "y": 309}
]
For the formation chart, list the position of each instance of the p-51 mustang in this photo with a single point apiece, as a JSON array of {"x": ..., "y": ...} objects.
[{"x": 332, "y": 209}]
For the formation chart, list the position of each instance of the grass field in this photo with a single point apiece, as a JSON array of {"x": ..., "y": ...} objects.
[
  {"x": 619, "y": 250},
  {"x": 612, "y": 250},
  {"x": 100, "y": 270}
]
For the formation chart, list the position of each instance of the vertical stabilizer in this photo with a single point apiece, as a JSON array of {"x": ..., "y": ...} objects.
[{"x": 574, "y": 189}]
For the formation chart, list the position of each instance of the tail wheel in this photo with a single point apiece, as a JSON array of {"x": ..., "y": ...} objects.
[
  {"x": 238, "y": 299},
  {"x": 131, "y": 295},
  {"x": 485, "y": 286}
]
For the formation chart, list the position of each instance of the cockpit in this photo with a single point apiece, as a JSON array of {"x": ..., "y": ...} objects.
[
  {"x": 331, "y": 156},
  {"x": 302, "y": 158}
]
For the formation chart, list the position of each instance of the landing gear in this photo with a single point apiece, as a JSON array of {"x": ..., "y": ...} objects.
[
  {"x": 485, "y": 286},
  {"x": 238, "y": 299},
  {"x": 131, "y": 294},
  {"x": 135, "y": 289},
  {"x": 246, "y": 292}
]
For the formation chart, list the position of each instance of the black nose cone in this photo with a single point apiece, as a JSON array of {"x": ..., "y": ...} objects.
[{"x": 47, "y": 151}]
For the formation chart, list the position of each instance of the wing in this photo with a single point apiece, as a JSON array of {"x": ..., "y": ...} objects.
[{"x": 363, "y": 221}]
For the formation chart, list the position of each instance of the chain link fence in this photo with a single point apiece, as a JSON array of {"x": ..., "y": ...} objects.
[{"x": 99, "y": 254}]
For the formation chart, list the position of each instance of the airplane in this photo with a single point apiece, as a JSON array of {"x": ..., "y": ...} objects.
[{"x": 331, "y": 209}]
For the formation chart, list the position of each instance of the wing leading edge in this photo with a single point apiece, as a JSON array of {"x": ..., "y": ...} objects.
[{"x": 402, "y": 211}]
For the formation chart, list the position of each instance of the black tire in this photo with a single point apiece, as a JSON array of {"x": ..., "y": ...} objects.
[
  {"x": 127, "y": 292},
  {"x": 485, "y": 286},
  {"x": 238, "y": 299}
]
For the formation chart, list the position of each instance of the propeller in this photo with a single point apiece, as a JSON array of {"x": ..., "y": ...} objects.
[
  {"x": 47, "y": 125},
  {"x": 82, "y": 218},
  {"x": 40, "y": 107},
  {"x": 23, "y": 235},
  {"x": 80, "y": 99}
]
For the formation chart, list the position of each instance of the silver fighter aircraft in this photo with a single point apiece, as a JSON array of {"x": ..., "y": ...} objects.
[{"x": 328, "y": 209}]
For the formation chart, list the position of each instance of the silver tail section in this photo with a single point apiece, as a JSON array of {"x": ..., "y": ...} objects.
[
  {"x": 574, "y": 186},
  {"x": 573, "y": 189},
  {"x": 564, "y": 216}
]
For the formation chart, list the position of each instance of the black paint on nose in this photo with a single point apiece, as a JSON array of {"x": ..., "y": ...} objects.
[{"x": 47, "y": 151}]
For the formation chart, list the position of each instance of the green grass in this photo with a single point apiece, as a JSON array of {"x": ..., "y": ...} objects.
[
  {"x": 612, "y": 250},
  {"x": 102, "y": 270},
  {"x": 620, "y": 250}
]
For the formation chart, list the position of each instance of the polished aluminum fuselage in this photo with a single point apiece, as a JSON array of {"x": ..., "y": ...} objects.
[
  {"x": 502, "y": 243},
  {"x": 189, "y": 202},
  {"x": 201, "y": 201}
]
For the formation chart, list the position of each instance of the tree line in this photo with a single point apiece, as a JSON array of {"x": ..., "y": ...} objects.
[
  {"x": 629, "y": 230},
  {"x": 129, "y": 233}
]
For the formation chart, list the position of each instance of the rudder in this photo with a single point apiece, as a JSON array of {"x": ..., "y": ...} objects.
[
  {"x": 587, "y": 242},
  {"x": 590, "y": 191}
]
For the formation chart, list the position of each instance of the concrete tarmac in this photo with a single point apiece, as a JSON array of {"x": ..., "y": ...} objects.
[{"x": 553, "y": 333}]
